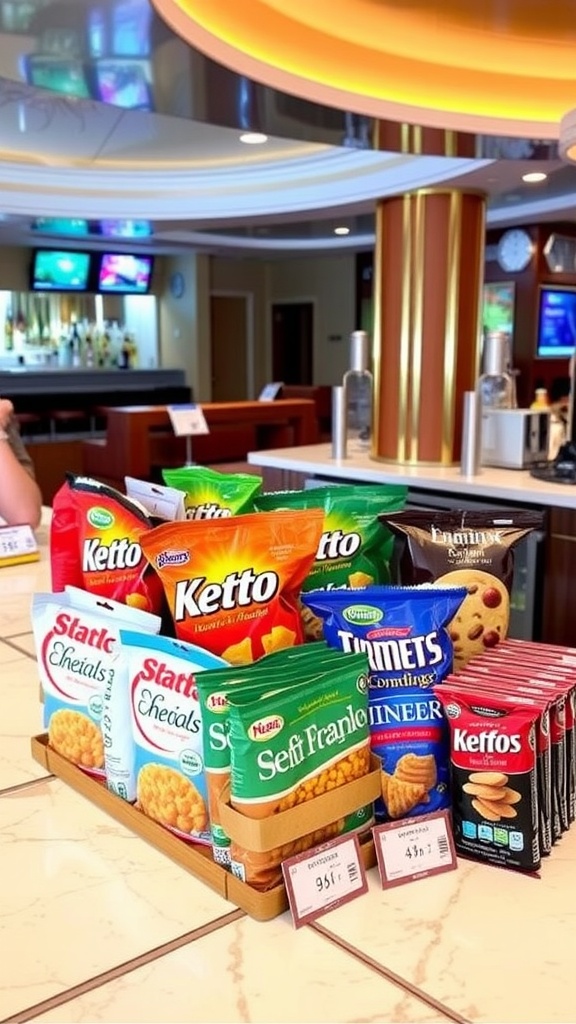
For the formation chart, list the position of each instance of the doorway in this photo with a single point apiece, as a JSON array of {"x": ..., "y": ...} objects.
[
  {"x": 231, "y": 347},
  {"x": 292, "y": 342}
]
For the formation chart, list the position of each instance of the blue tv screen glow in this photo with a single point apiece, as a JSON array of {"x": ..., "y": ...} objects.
[{"x": 556, "y": 323}]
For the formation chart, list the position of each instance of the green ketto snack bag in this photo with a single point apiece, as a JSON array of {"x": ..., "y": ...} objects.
[
  {"x": 356, "y": 546},
  {"x": 214, "y": 495}
]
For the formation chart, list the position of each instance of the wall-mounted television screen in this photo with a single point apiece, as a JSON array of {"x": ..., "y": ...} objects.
[
  {"x": 556, "y": 322},
  {"x": 57, "y": 270},
  {"x": 124, "y": 83},
  {"x": 125, "y": 274},
  {"x": 60, "y": 225},
  {"x": 62, "y": 75},
  {"x": 126, "y": 228},
  {"x": 498, "y": 307}
]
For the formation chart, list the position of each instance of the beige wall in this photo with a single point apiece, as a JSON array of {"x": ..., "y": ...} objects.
[
  {"x": 185, "y": 320},
  {"x": 328, "y": 282}
]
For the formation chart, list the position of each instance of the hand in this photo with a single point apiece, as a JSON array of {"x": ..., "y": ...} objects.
[{"x": 6, "y": 413}]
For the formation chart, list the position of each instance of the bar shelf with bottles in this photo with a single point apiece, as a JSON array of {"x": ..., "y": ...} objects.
[{"x": 63, "y": 331}]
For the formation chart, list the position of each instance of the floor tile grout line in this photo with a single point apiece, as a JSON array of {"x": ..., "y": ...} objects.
[
  {"x": 14, "y": 647},
  {"x": 121, "y": 970},
  {"x": 390, "y": 975},
  {"x": 19, "y": 786}
]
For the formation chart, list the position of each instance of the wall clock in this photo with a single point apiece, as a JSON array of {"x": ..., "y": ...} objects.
[
  {"x": 515, "y": 249},
  {"x": 177, "y": 285}
]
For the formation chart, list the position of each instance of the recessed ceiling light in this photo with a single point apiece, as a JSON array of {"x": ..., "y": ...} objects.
[
  {"x": 534, "y": 176},
  {"x": 253, "y": 138},
  {"x": 342, "y": 231}
]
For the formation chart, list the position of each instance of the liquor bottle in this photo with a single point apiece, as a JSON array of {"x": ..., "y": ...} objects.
[{"x": 358, "y": 391}]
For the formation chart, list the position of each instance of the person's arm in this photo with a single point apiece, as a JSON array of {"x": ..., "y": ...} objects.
[{"x": 20, "y": 497}]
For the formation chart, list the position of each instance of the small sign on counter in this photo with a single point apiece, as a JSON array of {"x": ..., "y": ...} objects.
[
  {"x": 324, "y": 878},
  {"x": 18, "y": 544},
  {"x": 187, "y": 420},
  {"x": 414, "y": 848}
]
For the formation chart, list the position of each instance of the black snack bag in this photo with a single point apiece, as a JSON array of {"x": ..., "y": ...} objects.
[{"x": 461, "y": 547}]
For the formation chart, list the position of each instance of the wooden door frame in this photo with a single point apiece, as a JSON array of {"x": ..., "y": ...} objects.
[
  {"x": 309, "y": 300},
  {"x": 228, "y": 293}
]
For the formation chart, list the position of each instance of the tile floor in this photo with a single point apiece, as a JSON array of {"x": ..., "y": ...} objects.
[{"x": 96, "y": 925}]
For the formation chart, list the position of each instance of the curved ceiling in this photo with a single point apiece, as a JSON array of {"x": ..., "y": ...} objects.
[
  {"x": 105, "y": 112},
  {"x": 497, "y": 66}
]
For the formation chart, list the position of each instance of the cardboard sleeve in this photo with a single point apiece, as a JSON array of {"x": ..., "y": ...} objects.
[{"x": 263, "y": 834}]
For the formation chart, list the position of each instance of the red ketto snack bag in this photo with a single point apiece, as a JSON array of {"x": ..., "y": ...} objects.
[{"x": 95, "y": 545}]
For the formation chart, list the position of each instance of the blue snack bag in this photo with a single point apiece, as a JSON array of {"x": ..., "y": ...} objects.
[{"x": 403, "y": 632}]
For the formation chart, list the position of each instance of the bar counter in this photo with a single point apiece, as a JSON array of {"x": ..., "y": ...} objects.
[{"x": 99, "y": 926}]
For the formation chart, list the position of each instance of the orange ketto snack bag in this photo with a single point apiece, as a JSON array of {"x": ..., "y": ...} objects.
[{"x": 232, "y": 585}]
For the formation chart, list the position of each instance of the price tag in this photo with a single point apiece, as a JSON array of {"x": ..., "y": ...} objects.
[
  {"x": 414, "y": 848},
  {"x": 18, "y": 544},
  {"x": 187, "y": 420},
  {"x": 324, "y": 878}
]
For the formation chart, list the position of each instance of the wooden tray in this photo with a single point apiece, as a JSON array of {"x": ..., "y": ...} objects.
[{"x": 262, "y": 906}]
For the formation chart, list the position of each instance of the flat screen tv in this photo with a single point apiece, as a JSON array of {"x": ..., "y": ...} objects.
[
  {"x": 124, "y": 274},
  {"x": 126, "y": 228},
  {"x": 59, "y": 270},
  {"x": 62, "y": 75},
  {"x": 498, "y": 307},
  {"x": 556, "y": 322},
  {"x": 61, "y": 226},
  {"x": 124, "y": 83}
]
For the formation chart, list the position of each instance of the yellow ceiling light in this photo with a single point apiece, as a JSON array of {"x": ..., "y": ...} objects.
[{"x": 497, "y": 67}]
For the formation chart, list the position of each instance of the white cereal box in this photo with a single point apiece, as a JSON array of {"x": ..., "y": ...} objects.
[{"x": 166, "y": 726}]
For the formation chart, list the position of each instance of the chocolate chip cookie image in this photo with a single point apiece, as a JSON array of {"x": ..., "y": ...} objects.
[{"x": 483, "y": 618}]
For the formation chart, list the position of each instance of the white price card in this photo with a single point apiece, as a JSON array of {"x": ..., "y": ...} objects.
[
  {"x": 323, "y": 878},
  {"x": 414, "y": 848},
  {"x": 18, "y": 544},
  {"x": 187, "y": 420}
]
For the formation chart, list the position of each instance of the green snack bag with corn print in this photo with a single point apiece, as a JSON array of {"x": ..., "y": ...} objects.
[
  {"x": 213, "y": 495},
  {"x": 292, "y": 745},
  {"x": 356, "y": 547},
  {"x": 213, "y": 687}
]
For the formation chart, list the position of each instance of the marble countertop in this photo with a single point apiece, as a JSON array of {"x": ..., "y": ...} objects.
[
  {"x": 502, "y": 484},
  {"x": 98, "y": 926}
]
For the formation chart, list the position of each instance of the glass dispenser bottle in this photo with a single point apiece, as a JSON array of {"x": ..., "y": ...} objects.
[
  {"x": 495, "y": 385},
  {"x": 358, "y": 390}
]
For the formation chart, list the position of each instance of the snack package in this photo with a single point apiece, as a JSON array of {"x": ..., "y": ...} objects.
[
  {"x": 403, "y": 632},
  {"x": 474, "y": 549},
  {"x": 355, "y": 548},
  {"x": 77, "y": 639},
  {"x": 165, "y": 728},
  {"x": 95, "y": 545},
  {"x": 262, "y": 677},
  {"x": 527, "y": 696},
  {"x": 165, "y": 504},
  {"x": 232, "y": 584},
  {"x": 291, "y": 746},
  {"x": 494, "y": 779},
  {"x": 213, "y": 495}
]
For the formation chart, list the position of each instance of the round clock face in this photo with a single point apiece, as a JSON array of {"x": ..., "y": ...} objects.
[{"x": 515, "y": 250}]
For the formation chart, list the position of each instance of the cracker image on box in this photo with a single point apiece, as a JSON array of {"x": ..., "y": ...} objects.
[
  {"x": 77, "y": 738},
  {"x": 171, "y": 785}
]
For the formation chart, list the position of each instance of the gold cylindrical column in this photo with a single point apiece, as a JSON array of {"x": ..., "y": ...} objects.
[{"x": 428, "y": 273}]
